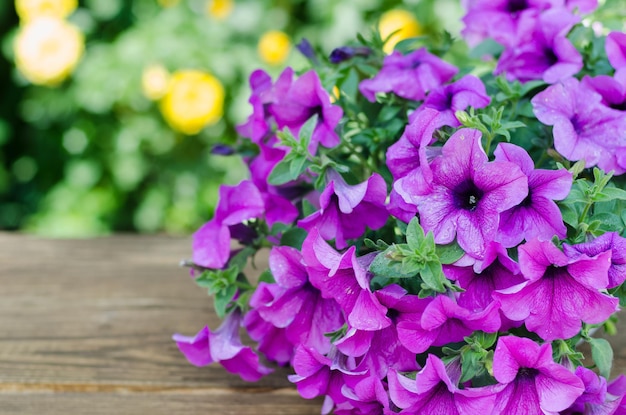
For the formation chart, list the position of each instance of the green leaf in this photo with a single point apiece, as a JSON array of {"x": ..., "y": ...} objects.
[
  {"x": 294, "y": 237},
  {"x": 488, "y": 47},
  {"x": 281, "y": 174},
  {"x": 222, "y": 299},
  {"x": 610, "y": 193},
  {"x": 414, "y": 234},
  {"x": 449, "y": 253},
  {"x": 266, "y": 276},
  {"x": 602, "y": 355},
  {"x": 385, "y": 265},
  {"x": 433, "y": 277},
  {"x": 471, "y": 365},
  {"x": 306, "y": 131},
  {"x": 240, "y": 259},
  {"x": 609, "y": 222},
  {"x": 297, "y": 166}
]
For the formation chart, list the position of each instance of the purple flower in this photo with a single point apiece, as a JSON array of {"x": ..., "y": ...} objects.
[
  {"x": 345, "y": 53},
  {"x": 611, "y": 89},
  {"x": 400, "y": 209},
  {"x": 531, "y": 383},
  {"x": 559, "y": 291},
  {"x": 211, "y": 243},
  {"x": 617, "y": 388},
  {"x": 272, "y": 341},
  {"x": 500, "y": 19},
  {"x": 609, "y": 242},
  {"x": 381, "y": 349},
  {"x": 408, "y": 76},
  {"x": 368, "y": 395},
  {"x": 496, "y": 272},
  {"x": 412, "y": 150},
  {"x": 223, "y": 346},
  {"x": 304, "y": 98},
  {"x": 584, "y": 129},
  {"x": 537, "y": 216},
  {"x": 543, "y": 52},
  {"x": 615, "y": 47},
  {"x": 443, "y": 321},
  {"x": 344, "y": 277},
  {"x": 346, "y": 211},
  {"x": 594, "y": 399},
  {"x": 306, "y": 49},
  {"x": 468, "y": 91},
  {"x": 467, "y": 194},
  {"x": 433, "y": 392}
]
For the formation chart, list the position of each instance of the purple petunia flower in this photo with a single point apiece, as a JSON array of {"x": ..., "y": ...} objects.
[
  {"x": 468, "y": 91},
  {"x": 609, "y": 242},
  {"x": 223, "y": 346},
  {"x": 615, "y": 47},
  {"x": 560, "y": 292},
  {"x": 443, "y": 321},
  {"x": 211, "y": 243},
  {"x": 531, "y": 383},
  {"x": 408, "y": 76},
  {"x": 537, "y": 216},
  {"x": 496, "y": 272},
  {"x": 467, "y": 193},
  {"x": 272, "y": 341},
  {"x": 584, "y": 129},
  {"x": 500, "y": 19},
  {"x": 344, "y": 277},
  {"x": 433, "y": 392},
  {"x": 304, "y": 98},
  {"x": 366, "y": 396},
  {"x": 543, "y": 51},
  {"x": 346, "y": 211},
  {"x": 411, "y": 150},
  {"x": 595, "y": 399}
]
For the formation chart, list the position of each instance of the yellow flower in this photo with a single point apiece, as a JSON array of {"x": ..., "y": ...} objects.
[
  {"x": 219, "y": 9},
  {"x": 30, "y": 9},
  {"x": 274, "y": 47},
  {"x": 401, "y": 21},
  {"x": 47, "y": 50},
  {"x": 194, "y": 99},
  {"x": 154, "y": 81}
]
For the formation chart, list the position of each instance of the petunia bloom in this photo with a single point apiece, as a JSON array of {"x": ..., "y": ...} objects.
[
  {"x": 611, "y": 242},
  {"x": 560, "y": 292},
  {"x": 595, "y": 399},
  {"x": 467, "y": 193},
  {"x": 433, "y": 392},
  {"x": 584, "y": 129},
  {"x": 305, "y": 98},
  {"x": 615, "y": 47},
  {"x": 409, "y": 76},
  {"x": 531, "y": 383},
  {"x": 346, "y": 211},
  {"x": 537, "y": 216},
  {"x": 223, "y": 346},
  {"x": 469, "y": 91}
]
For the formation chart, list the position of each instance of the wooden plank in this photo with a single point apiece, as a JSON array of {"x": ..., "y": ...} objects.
[{"x": 88, "y": 324}]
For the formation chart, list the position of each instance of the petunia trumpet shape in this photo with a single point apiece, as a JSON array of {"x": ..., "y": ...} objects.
[
  {"x": 531, "y": 383},
  {"x": 409, "y": 76},
  {"x": 537, "y": 216},
  {"x": 560, "y": 292},
  {"x": 346, "y": 211},
  {"x": 433, "y": 392},
  {"x": 224, "y": 347},
  {"x": 611, "y": 242},
  {"x": 467, "y": 194}
]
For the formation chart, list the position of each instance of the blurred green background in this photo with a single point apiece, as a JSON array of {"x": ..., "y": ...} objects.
[{"x": 91, "y": 154}]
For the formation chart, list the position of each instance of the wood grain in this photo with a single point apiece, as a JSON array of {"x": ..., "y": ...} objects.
[
  {"x": 86, "y": 328},
  {"x": 90, "y": 322}
]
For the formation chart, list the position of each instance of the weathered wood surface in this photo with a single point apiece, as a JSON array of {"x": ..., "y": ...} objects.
[{"x": 86, "y": 328}]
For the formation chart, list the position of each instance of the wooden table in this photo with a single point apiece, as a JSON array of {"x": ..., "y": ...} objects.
[{"x": 86, "y": 328}]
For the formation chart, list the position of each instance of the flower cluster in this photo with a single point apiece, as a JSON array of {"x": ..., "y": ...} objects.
[{"x": 440, "y": 242}]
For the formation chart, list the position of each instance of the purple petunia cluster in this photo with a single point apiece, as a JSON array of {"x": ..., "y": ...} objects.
[{"x": 427, "y": 254}]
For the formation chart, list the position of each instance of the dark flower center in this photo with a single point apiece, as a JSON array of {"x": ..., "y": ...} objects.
[
  {"x": 527, "y": 373},
  {"x": 550, "y": 56},
  {"x": 467, "y": 195},
  {"x": 317, "y": 110},
  {"x": 577, "y": 124},
  {"x": 552, "y": 272},
  {"x": 516, "y": 6},
  {"x": 392, "y": 314},
  {"x": 528, "y": 200},
  {"x": 620, "y": 106}
]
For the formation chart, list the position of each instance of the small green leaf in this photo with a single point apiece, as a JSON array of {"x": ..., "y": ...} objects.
[
  {"x": 602, "y": 355},
  {"x": 449, "y": 253},
  {"x": 386, "y": 264},
  {"x": 240, "y": 259},
  {"x": 414, "y": 234},
  {"x": 297, "y": 166},
  {"x": 222, "y": 299},
  {"x": 281, "y": 174},
  {"x": 306, "y": 131},
  {"x": 266, "y": 276},
  {"x": 433, "y": 277},
  {"x": 610, "y": 193},
  {"x": 294, "y": 237}
]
